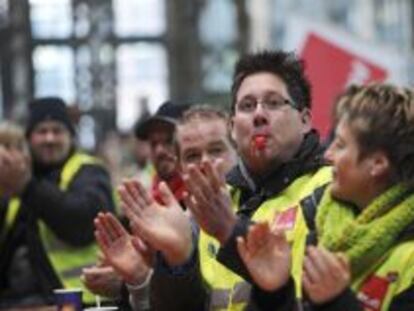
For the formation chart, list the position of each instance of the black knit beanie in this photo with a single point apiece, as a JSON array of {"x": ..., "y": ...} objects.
[{"x": 48, "y": 109}]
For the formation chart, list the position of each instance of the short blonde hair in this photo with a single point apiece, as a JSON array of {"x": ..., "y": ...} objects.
[
  {"x": 381, "y": 117},
  {"x": 203, "y": 112},
  {"x": 12, "y": 136}
]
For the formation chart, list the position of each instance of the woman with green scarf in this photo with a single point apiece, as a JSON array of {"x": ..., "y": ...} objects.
[{"x": 363, "y": 222}]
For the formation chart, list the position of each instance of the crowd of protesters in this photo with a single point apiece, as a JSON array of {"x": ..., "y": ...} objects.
[{"x": 245, "y": 210}]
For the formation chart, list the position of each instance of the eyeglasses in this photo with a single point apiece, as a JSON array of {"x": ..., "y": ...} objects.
[{"x": 272, "y": 103}]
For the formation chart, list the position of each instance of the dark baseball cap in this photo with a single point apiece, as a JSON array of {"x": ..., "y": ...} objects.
[{"x": 168, "y": 113}]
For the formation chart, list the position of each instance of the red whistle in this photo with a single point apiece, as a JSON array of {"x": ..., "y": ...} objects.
[{"x": 260, "y": 142}]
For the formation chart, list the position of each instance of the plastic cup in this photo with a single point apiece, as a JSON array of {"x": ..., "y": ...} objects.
[
  {"x": 101, "y": 309},
  {"x": 68, "y": 299}
]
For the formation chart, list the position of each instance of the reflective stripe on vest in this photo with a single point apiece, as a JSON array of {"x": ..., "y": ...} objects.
[
  {"x": 72, "y": 166},
  {"x": 66, "y": 261},
  {"x": 221, "y": 298},
  {"x": 231, "y": 292},
  {"x": 12, "y": 211},
  {"x": 390, "y": 277}
]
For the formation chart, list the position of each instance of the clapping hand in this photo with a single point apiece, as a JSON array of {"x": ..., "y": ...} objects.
[
  {"x": 209, "y": 199},
  {"x": 266, "y": 254},
  {"x": 125, "y": 253},
  {"x": 164, "y": 228},
  {"x": 16, "y": 171},
  {"x": 326, "y": 274}
]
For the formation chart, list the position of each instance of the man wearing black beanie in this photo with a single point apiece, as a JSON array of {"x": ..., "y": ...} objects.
[
  {"x": 50, "y": 132},
  {"x": 50, "y": 237},
  {"x": 48, "y": 108}
]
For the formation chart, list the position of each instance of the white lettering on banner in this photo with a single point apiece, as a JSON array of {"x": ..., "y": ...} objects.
[{"x": 358, "y": 74}]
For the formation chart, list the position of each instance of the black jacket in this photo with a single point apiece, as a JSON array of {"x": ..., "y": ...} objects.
[{"x": 68, "y": 214}]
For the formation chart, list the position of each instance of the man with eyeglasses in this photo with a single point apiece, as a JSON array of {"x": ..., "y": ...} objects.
[{"x": 280, "y": 162}]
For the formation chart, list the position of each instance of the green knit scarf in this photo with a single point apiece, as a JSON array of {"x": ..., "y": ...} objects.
[{"x": 366, "y": 237}]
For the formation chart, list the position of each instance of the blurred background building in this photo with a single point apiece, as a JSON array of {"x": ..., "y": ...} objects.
[{"x": 113, "y": 60}]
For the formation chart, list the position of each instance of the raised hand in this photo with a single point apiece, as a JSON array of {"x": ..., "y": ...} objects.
[
  {"x": 326, "y": 274},
  {"x": 102, "y": 280},
  {"x": 119, "y": 251},
  {"x": 165, "y": 228},
  {"x": 266, "y": 255},
  {"x": 209, "y": 200},
  {"x": 16, "y": 171}
]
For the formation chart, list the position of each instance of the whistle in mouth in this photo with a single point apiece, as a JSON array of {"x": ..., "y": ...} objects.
[{"x": 260, "y": 142}]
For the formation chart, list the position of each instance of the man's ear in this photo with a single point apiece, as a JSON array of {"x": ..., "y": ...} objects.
[
  {"x": 379, "y": 164},
  {"x": 306, "y": 119},
  {"x": 230, "y": 128}
]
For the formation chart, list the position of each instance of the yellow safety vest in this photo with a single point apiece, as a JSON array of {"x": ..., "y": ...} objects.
[
  {"x": 11, "y": 214},
  {"x": 393, "y": 274},
  {"x": 230, "y": 291},
  {"x": 67, "y": 261}
]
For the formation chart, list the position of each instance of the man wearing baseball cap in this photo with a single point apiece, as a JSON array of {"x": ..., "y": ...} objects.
[
  {"x": 159, "y": 130},
  {"x": 47, "y": 224}
]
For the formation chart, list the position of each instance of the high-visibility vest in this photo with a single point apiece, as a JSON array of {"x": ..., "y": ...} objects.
[
  {"x": 393, "y": 274},
  {"x": 67, "y": 261},
  {"x": 228, "y": 290}
]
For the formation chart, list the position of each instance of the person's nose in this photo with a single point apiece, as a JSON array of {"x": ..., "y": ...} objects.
[
  {"x": 328, "y": 155},
  {"x": 159, "y": 149},
  {"x": 206, "y": 157},
  {"x": 260, "y": 115},
  {"x": 50, "y": 137}
]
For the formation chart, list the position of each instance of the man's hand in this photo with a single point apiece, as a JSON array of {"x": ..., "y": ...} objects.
[
  {"x": 209, "y": 200},
  {"x": 326, "y": 275},
  {"x": 119, "y": 250},
  {"x": 16, "y": 171},
  {"x": 266, "y": 255},
  {"x": 164, "y": 228},
  {"x": 102, "y": 281}
]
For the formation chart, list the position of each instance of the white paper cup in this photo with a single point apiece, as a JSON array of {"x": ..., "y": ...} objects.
[{"x": 101, "y": 309}]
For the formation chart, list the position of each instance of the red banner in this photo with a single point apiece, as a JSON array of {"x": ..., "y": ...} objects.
[{"x": 331, "y": 69}]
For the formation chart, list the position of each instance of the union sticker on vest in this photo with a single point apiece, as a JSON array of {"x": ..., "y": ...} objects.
[
  {"x": 373, "y": 292},
  {"x": 286, "y": 220}
]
